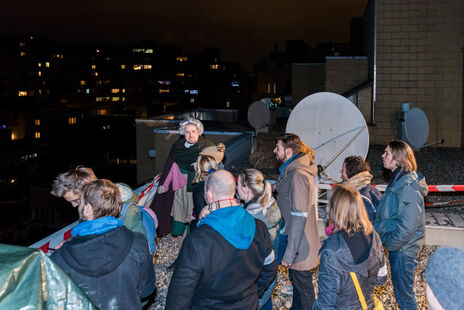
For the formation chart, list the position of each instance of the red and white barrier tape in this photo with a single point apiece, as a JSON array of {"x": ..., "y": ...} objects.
[{"x": 432, "y": 188}]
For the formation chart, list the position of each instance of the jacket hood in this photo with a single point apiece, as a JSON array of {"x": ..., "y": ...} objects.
[
  {"x": 234, "y": 224},
  {"x": 84, "y": 253},
  {"x": 359, "y": 180},
  {"x": 127, "y": 194},
  {"x": 338, "y": 245},
  {"x": 302, "y": 162},
  {"x": 414, "y": 179}
]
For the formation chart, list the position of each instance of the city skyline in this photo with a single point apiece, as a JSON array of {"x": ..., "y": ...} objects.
[{"x": 245, "y": 32}]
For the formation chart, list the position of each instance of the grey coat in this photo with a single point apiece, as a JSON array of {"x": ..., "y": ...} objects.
[{"x": 295, "y": 197}]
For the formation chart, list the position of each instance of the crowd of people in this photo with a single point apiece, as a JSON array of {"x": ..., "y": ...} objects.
[{"x": 233, "y": 232}]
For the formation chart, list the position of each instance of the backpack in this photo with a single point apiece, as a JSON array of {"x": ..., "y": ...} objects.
[{"x": 149, "y": 219}]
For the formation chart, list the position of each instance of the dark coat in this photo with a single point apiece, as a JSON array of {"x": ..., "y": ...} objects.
[
  {"x": 212, "y": 274},
  {"x": 336, "y": 288},
  {"x": 114, "y": 269}
]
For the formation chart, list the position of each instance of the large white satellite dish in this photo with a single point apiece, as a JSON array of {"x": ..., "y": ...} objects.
[
  {"x": 333, "y": 126},
  {"x": 416, "y": 127}
]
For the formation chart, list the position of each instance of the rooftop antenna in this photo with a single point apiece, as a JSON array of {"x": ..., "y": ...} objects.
[{"x": 334, "y": 127}]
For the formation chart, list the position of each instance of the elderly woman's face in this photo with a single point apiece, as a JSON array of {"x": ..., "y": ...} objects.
[{"x": 191, "y": 134}]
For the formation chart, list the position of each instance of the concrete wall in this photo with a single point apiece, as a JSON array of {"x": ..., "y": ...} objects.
[
  {"x": 345, "y": 73},
  {"x": 419, "y": 60},
  {"x": 307, "y": 79}
]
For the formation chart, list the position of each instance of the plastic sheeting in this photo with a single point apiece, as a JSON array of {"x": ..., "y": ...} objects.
[{"x": 30, "y": 280}]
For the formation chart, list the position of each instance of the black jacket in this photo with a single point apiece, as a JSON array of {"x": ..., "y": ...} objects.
[
  {"x": 212, "y": 274},
  {"x": 114, "y": 269}
]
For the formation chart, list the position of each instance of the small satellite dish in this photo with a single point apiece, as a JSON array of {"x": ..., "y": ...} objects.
[
  {"x": 260, "y": 114},
  {"x": 333, "y": 126},
  {"x": 416, "y": 127}
]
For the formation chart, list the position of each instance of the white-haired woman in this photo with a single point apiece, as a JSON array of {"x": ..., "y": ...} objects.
[
  {"x": 352, "y": 256},
  {"x": 256, "y": 192},
  {"x": 174, "y": 197},
  {"x": 400, "y": 219}
]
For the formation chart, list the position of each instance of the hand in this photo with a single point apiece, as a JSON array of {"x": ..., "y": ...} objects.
[
  {"x": 162, "y": 189},
  {"x": 285, "y": 264},
  {"x": 204, "y": 213}
]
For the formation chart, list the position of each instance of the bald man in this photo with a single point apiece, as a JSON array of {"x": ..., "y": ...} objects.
[{"x": 228, "y": 261}]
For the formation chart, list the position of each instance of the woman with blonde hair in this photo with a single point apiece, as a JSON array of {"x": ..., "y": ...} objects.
[
  {"x": 352, "y": 259},
  {"x": 256, "y": 193},
  {"x": 400, "y": 219}
]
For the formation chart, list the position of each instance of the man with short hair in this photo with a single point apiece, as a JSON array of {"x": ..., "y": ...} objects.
[
  {"x": 228, "y": 261},
  {"x": 69, "y": 184},
  {"x": 110, "y": 263},
  {"x": 295, "y": 197}
]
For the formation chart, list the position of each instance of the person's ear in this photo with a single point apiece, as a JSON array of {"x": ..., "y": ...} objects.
[
  {"x": 288, "y": 153},
  {"x": 88, "y": 212},
  {"x": 209, "y": 197}
]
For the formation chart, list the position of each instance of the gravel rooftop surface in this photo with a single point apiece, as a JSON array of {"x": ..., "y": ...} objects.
[{"x": 439, "y": 165}]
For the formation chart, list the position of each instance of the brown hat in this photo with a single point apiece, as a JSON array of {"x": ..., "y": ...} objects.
[{"x": 215, "y": 151}]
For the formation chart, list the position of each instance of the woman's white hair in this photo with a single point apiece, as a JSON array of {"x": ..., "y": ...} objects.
[{"x": 190, "y": 121}]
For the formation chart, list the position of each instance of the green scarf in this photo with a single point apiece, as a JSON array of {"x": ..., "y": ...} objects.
[{"x": 185, "y": 157}]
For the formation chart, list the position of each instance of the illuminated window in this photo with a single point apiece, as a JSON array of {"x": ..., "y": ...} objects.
[
  {"x": 138, "y": 50},
  {"x": 271, "y": 87},
  {"x": 162, "y": 91},
  {"x": 82, "y": 83},
  {"x": 94, "y": 67},
  {"x": 107, "y": 82},
  {"x": 72, "y": 120},
  {"x": 23, "y": 54},
  {"x": 102, "y": 112},
  {"x": 37, "y": 134},
  {"x": 47, "y": 64},
  {"x": 235, "y": 84},
  {"x": 108, "y": 58},
  {"x": 149, "y": 51},
  {"x": 194, "y": 92},
  {"x": 147, "y": 67},
  {"x": 164, "y": 82},
  {"x": 123, "y": 67},
  {"x": 227, "y": 104},
  {"x": 180, "y": 74},
  {"x": 22, "y": 93},
  {"x": 98, "y": 82},
  {"x": 37, "y": 122},
  {"x": 87, "y": 91},
  {"x": 115, "y": 98},
  {"x": 138, "y": 67},
  {"x": 181, "y": 59},
  {"x": 39, "y": 73},
  {"x": 61, "y": 56},
  {"x": 123, "y": 98},
  {"x": 22, "y": 44},
  {"x": 123, "y": 90},
  {"x": 97, "y": 51},
  {"x": 95, "y": 74},
  {"x": 115, "y": 90},
  {"x": 192, "y": 100},
  {"x": 214, "y": 67},
  {"x": 39, "y": 64}
]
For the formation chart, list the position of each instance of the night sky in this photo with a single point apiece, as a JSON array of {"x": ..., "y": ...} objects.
[{"x": 245, "y": 31}]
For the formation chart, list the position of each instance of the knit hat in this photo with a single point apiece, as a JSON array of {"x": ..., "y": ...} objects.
[
  {"x": 445, "y": 276},
  {"x": 190, "y": 121},
  {"x": 215, "y": 151}
]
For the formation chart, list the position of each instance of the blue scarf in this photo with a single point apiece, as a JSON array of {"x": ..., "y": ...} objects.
[
  {"x": 96, "y": 227},
  {"x": 235, "y": 224},
  {"x": 285, "y": 164}
]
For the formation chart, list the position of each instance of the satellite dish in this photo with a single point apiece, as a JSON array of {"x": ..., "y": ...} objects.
[
  {"x": 333, "y": 126},
  {"x": 260, "y": 114},
  {"x": 416, "y": 127}
]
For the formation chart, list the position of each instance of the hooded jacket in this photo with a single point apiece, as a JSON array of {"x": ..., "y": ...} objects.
[
  {"x": 336, "y": 288},
  {"x": 400, "y": 218},
  {"x": 224, "y": 264},
  {"x": 295, "y": 197},
  {"x": 113, "y": 268}
]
